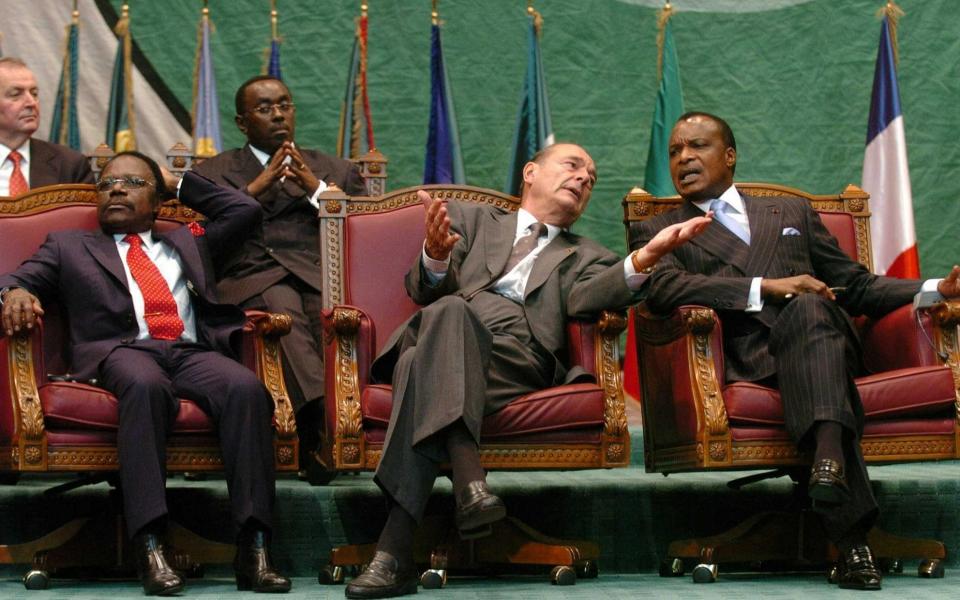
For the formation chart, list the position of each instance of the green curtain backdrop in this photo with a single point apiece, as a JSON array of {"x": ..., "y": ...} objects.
[{"x": 793, "y": 77}]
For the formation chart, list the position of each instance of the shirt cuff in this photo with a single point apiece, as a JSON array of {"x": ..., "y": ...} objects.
[
  {"x": 436, "y": 269},
  {"x": 314, "y": 199},
  {"x": 754, "y": 301},
  {"x": 179, "y": 185},
  {"x": 634, "y": 280}
]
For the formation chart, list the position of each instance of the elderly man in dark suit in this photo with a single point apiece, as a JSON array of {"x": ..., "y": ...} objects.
[
  {"x": 25, "y": 162},
  {"x": 499, "y": 288},
  {"x": 784, "y": 291},
  {"x": 277, "y": 267},
  {"x": 148, "y": 326}
]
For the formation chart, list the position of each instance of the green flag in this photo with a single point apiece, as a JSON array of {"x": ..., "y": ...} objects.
[
  {"x": 668, "y": 109},
  {"x": 120, "y": 122}
]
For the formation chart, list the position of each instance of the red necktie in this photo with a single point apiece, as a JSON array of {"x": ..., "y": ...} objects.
[
  {"x": 18, "y": 183},
  {"x": 159, "y": 307}
]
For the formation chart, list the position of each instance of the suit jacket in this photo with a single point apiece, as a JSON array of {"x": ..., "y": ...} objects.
[
  {"x": 52, "y": 163},
  {"x": 573, "y": 277},
  {"x": 715, "y": 269},
  {"x": 288, "y": 241},
  {"x": 101, "y": 314}
]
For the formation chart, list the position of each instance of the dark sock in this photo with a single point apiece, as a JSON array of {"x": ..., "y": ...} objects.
[
  {"x": 155, "y": 527},
  {"x": 396, "y": 539},
  {"x": 249, "y": 529},
  {"x": 855, "y": 536},
  {"x": 829, "y": 440},
  {"x": 464, "y": 457}
]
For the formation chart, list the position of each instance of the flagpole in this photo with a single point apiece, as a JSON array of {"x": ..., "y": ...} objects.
[
  {"x": 662, "y": 17},
  {"x": 893, "y": 13}
]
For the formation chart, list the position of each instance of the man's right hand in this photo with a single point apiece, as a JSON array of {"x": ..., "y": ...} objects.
[
  {"x": 20, "y": 310},
  {"x": 272, "y": 172},
  {"x": 778, "y": 290},
  {"x": 439, "y": 241}
]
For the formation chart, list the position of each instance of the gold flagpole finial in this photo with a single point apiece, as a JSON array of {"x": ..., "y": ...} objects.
[
  {"x": 76, "y": 12},
  {"x": 124, "y": 10},
  {"x": 435, "y": 13},
  {"x": 274, "y": 29},
  {"x": 893, "y": 13},
  {"x": 662, "y": 17},
  {"x": 363, "y": 8}
]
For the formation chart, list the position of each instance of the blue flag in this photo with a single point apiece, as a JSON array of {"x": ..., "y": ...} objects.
[
  {"x": 443, "y": 163},
  {"x": 65, "y": 124},
  {"x": 206, "y": 110},
  {"x": 273, "y": 66},
  {"x": 534, "y": 131}
]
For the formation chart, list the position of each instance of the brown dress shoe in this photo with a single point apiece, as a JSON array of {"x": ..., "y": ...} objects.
[
  {"x": 253, "y": 569},
  {"x": 383, "y": 578},
  {"x": 827, "y": 482},
  {"x": 477, "y": 508},
  {"x": 857, "y": 571},
  {"x": 156, "y": 576}
]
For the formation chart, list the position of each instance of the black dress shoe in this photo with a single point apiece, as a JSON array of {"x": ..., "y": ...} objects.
[
  {"x": 156, "y": 576},
  {"x": 477, "y": 508},
  {"x": 827, "y": 483},
  {"x": 383, "y": 579},
  {"x": 857, "y": 570},
  {"x": 253, "y": 569}
]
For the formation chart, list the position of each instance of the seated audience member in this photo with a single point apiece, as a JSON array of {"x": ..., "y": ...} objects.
[
  {"x": 784, "y": 291},
  {"x": 149, "y": 328},
  {"x": 498, "y": 289},
  {"x": 277, "y": 266},
  {"x": 25, "y": 162}
]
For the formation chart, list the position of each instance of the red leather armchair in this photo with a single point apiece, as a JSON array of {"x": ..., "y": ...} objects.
[
  {"x": 50, "y": 425},
  {"x": 695, "y": 421},
  {"x": 369, "y": 244}
]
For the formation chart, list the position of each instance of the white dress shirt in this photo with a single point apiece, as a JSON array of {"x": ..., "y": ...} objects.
[
  {"x": 6, "y": 166},
  {"x": 168, "y": 263}
]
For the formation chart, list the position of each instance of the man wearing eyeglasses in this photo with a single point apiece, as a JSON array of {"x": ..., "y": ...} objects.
[
  {"x": 277, "y": 267},
  {"x": 149, "y": 328},
  {"x": 25, "y": 162}
]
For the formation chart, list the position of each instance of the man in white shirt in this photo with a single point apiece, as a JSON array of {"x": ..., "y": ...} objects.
[
  {"x": 498, "y": 289},
  {"x": 26, "y": 162},
  {"x": 145, "y": 322},
  {"x": 783, "y": 289}
]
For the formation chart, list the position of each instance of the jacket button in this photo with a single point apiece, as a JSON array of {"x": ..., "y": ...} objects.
[
  {"x": 269, "y": 250},
  {"x": 317, "y": 262},
  {"x": 126, "y": 340}
]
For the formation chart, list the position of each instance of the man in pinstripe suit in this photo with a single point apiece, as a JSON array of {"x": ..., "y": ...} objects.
[{"x": 774, "y": 274}]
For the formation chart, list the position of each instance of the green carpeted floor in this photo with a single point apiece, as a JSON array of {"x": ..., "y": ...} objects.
[{"x": 633, "y": 515}]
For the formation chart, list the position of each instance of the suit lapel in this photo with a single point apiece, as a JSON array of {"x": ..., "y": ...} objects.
[
  {"x": 718, "y": 240},
  {"x": 549, "y": 258},
  {"x": 765, "y": 216},
  {"x": 243, "y": 168},
  {"x": 186, "y": 247},
  {"x": 498, "y": 241},
  {"x": 43, "y": 165},
  {"x": 103, "y": 248}
]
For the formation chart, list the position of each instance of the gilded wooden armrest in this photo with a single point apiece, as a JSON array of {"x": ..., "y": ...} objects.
[
  {"x": 616, "y": 446},
  {"x": 266, "y": 329},
  {"x": 946, "y": 320},
  {"x": 21, "y": 419},
  {"x": 347, "y": 344}
]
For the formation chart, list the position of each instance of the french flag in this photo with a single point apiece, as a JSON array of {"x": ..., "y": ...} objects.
[{"x": 886, "y": 176}]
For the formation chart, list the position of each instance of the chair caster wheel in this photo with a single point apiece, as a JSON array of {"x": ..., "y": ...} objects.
[
  {"x": 587, "y": 569},
  {"x": 891, "y": 565},
  {"x": 563, "y": 575},
  {"x": 671, "y": 567},
  {"x": 833, "y": 575},
  {"x": 433, "y": 579},
  {"x": 931, "y": 568},
  {"x": 36, "y": 580},
  {"x": 704, "y": 573},
  {"x": 330, "y": 575}
]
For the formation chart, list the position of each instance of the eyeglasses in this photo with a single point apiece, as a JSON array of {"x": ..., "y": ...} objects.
[
  {"x": 266, "y": 109},
  {"x": 127, "y": 182}
]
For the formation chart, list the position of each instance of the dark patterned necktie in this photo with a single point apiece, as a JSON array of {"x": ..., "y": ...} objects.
[
  {"x": 18, "y": 183},
  {"x": 526, "y": 244},
  {"x": 159, "y": 307}
]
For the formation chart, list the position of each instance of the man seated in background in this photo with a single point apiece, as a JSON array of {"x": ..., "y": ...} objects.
[
  {"x": 498, "y": 289},
  {"x": 784, "y": 291},
  {"x": 26, "y": 162},
  {"x": 147, "y": 325},
  {"x": 277, "y": 266}
]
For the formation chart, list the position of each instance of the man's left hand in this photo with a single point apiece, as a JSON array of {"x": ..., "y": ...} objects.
[
  {"x": 298, "y": 171},
  {"x": 949, "y": 286}
]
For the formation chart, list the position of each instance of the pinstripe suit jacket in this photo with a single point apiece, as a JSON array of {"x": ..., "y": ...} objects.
[{"x": 715, "y": 269}]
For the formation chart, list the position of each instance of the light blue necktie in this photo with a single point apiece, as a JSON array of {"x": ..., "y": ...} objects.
[{"x": 720, "y": 212}]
